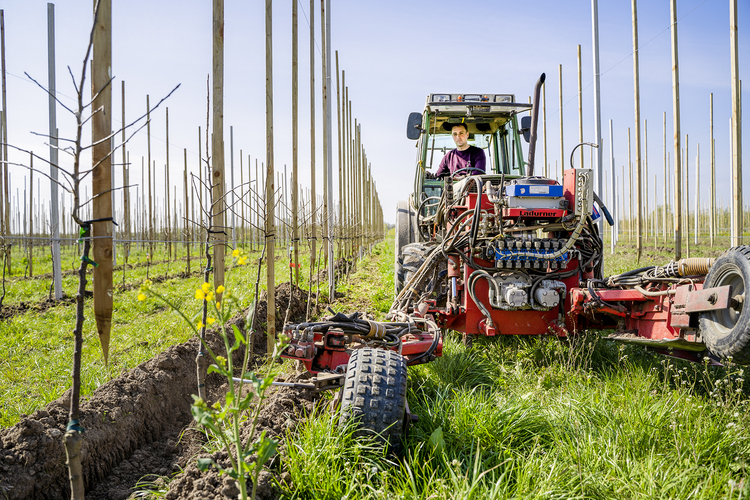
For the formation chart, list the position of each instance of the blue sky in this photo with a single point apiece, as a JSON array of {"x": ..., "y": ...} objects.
[{"x": 394, "y": 54}]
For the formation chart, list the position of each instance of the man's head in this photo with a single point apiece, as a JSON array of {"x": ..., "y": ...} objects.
[{"x": 460, "y": 134}]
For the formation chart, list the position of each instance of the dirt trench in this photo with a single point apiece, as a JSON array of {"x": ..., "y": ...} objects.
[{"x": 139, "y": 427}]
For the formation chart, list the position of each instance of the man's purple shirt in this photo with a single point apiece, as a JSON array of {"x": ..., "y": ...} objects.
[{"x": 455, "y": 160}]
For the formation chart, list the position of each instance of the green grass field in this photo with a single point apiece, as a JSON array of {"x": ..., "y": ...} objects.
[{"x": 510, "y": 418}]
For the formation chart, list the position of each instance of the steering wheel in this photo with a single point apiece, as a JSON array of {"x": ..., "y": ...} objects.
[{"x": 463, "y": 170}]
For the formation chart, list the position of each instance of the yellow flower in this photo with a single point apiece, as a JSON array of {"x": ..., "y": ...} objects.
[
  {"x": 141, "y": 297},
  {"x": 236, "y": 252},
  {"x": 218, "y": 305},
  {"x": 205, "y": 287},
  {"x": 210, "y": 320},
  {"x": 220, "y": 289},
  {"x": 199, "y": 324},
  {"x": 242, "y": 261},
  {"x": 199, "y": 295},
  {"x": 210, "y": 296}
]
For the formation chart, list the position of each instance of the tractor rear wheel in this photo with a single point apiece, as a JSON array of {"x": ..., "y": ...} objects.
[
  {"x": 726, "y": 332},
  {"x": 404, "y": 236},
  {"x": 375, "y": 394},
  {"x": 408, "y": 263}
]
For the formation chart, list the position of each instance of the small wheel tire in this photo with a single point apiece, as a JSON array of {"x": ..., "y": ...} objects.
[
  {"x": 375, "y": 395},
  {"x": 726, "y": 332}
]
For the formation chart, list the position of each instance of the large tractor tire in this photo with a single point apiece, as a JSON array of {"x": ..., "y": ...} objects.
[
  {"x": 409, "y": 261},
  {"x": 726, "y": 332},
  {"x": 375, "y": 395},
  {"x": 404, "y": 236}
]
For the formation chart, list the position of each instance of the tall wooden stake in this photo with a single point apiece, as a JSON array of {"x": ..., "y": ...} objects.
[
  {"x": 217, "y": 146},
  {"x": 580, "y": 107},
  {"x": 712, "y": 194},
  {"x": 562, "y": 149},
  {"x": 101, "y": 128},
  {"x": 295, "y": 140},
  {"x": 313, "y": 197},
  {"x": 270, "y": 227},
  {"x": 638, "y": 173},
  {"x": 736, "y": 127},
  {"x": 676, "y": 126}
]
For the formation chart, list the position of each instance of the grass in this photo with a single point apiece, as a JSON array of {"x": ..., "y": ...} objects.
[
  {"x": 38, "y": 347},
  {"x": 544, "y": 418}
]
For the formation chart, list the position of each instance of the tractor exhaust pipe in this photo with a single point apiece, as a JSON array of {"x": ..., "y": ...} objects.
[{"x": 534, "y": 122}]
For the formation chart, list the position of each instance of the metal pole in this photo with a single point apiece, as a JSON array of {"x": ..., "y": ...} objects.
[
  {"x": 697, "y": 190},
  {"x": 54, "y": 199},
  {"x": 676, "y": 126},
  {"x": 544, "y": 128},
  {"x": 666, "y": 181},
  {"x": 598, "y": 168},
  {"x": 736, "y": 127}
]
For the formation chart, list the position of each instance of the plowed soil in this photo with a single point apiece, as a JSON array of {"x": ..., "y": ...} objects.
[{"x": 139, "y": 427}]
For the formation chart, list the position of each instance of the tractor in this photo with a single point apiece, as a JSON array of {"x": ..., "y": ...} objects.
[{"x": 510, "y": 253}]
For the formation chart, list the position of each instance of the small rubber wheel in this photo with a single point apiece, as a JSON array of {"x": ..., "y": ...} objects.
[
  {"x": 726, "y": 332},
  {"x": 375, "y": 395}
]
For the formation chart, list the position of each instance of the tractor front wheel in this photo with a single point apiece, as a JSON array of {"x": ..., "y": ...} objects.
[
  {"x": 726, "y": 332},
  {"x": 375, "y": 394}
]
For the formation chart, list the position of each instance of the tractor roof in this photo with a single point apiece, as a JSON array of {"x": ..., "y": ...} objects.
[{"x": 482, "y": 113}]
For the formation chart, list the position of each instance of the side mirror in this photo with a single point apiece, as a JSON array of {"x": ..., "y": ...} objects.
[
  {"x": 414, "y": 126},
  {"x": 526, "y": 128}
]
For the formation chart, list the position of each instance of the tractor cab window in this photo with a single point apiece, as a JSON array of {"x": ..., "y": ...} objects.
[
  {"x": 439, "y": 145},
  {"x": 509, "y": 150}
]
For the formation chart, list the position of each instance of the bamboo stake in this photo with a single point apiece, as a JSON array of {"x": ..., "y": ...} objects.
[
  {"x": 101, "y": 128},
  {"x": 31, "y": 214},
  {"x": 150, "y": 202},
  {"x": 167, "y": 185},
  {"x": 676, "y": 126},
  {"x": 666, "y": 181}
]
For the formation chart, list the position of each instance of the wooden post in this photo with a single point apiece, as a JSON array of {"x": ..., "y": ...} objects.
[
  {"x": 31, "y": 214},
  {"x": 638, "y": 176},
  {"x": 295, "y": 140},
  {"x": 562, "y": 149},
  {"x": 736, "y": 127},
  {"x": 168, "y": 232},
  {"x": 202, "y": 208},
  {"x": 630, "y": 190},
  {"x": 150, "y": 199},
  {"x": 613, "y": 201},
  {"x": 4, "y": 140},
  {"x": 712, "y": 194},
  {"x": 341, "y": 178},
  {"x": 125, "y": 189},
  {"x": 676, "y": 126},
  {"x": 217, "y": 146},
  {"x": 329, "y": 153},
  {"x": 697, "y": 190},
  {"x": 231, "y": 183},
  {"x": 185, "y": 220},
  {"x": 270, "y": 228},
  {"x": 666, "y": 181},
  {"x": 313, "y": 197},
  {"x": 101, "y": 128},
  {"x": 544, "y": 128},
  {"x": 686, "y": 161},
  {"x": 580, "y": 107},
  {"x": 324, "y": 88}
]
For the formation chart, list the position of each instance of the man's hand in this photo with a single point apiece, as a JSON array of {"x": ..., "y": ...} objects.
[{"x": 429, "y": 175}]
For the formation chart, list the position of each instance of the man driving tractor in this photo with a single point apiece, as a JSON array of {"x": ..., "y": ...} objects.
[{"x": 469, "y": 159}]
